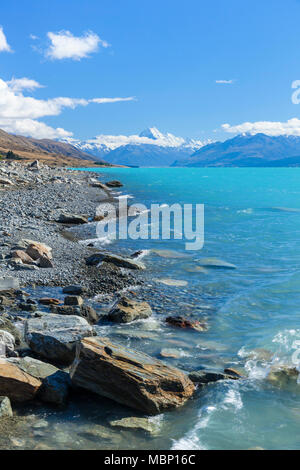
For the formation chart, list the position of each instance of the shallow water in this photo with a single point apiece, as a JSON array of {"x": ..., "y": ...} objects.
[{"x": 252, "y": 220}]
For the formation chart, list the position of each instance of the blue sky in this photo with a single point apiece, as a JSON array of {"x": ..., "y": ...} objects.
[{"x": 165, "y": 54}]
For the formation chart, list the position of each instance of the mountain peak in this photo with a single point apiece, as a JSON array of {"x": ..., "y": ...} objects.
[{"x": 152, "y": 133}]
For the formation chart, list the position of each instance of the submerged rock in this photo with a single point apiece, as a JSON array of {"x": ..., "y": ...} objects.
[
  {"x": 204, "y": 377},
  {"x": 5, "y": 408},
  {"x": 127, "y": 310},
  {"x": 117, "y": 260},
  {"x": 135, "y": 424},
  {"x": 16, "y": 384},
  {"x": 181, "y": 322},
  {"x": 284, "y": 377},
  {"x": 74, "y": 290},
  {"x": 129, "y": 377},
  {"x": 54, "y": 337},
  {"x": 216, "y": 263}
]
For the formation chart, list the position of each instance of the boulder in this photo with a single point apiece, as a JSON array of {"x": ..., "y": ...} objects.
[
  {"x": 114, "y": 184},
  {"x": 5, "y": 408},
  {"x": 117, "y": 260},
  {"x": 23, "y": 256},
  {"x": 97, "y": 184},
  {"x": 55, "y": 383},
  {"x": 7, "y": 343},
  {"x": 72, "y": 219},
  {"x": 35, "y": 249},
  {"x": 205, "y": 376},
  {"x": 45, "y": 262},
  {"x": 74, "y": 300},
  {"x": 233, "y": 372},
  {"x": 54, "y": 336},
  {"x": 74, "y": 290},
  {"x": 84, "y": 311},
  {"x": 181, "y": 322},
  {"x": 127, "y": 310},
  {"x": 129, "y": 377},
  {"x": 7, "y": 325},
  {"x": 17, "y": 385}
]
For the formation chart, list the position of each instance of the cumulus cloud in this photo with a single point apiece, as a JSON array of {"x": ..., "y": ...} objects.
[
  {"x": 290, "y": 127},
  {"x": 19, "y": 113},
  {"x": 64, "y": 45},
  {"x": 225, "y": 82},
  {"x": 4, "y": 46}
]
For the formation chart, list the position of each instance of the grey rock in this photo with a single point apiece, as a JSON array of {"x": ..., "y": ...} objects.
[
  {"x": 72, "y": 219},
  {"x": 74, "y": 300},
  {"x": 5, "y": 408},
  {"x": 74, "y": 290},
  {"x": 55, "y": 336},
  {"x": 117, "y": 260},
  {"x": 204, "y": 377},
  {"x": 84, "y": 311}
]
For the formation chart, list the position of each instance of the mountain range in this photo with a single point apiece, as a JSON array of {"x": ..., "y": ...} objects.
[
  {"x": 151, "y": 148},
  {"x": 245, "y": 150}
]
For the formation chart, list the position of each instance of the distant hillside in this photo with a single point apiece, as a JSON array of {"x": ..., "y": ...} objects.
[
  {"x": 247, "y": 151},
  {"x": 48, "y": 151}
]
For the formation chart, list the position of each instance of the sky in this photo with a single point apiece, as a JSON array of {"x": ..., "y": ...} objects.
[{"x": 194, "y": 68}]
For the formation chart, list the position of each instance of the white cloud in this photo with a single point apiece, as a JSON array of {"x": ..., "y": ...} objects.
[
  {"x": 19, "y": 113},
  {"x": 290, "y": 127},
  {"x": 225, "y": 82},
  {"x": 19, "y": 84},
  {"x": 64, "y": 45},
  {"x": 4, "y": 46},
  {"x": 33, "y": 128}
]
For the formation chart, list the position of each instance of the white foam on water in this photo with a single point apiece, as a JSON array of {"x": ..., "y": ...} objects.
[
  {"x": 233, "y": 399},
  {"x": 191, "y": 440}
]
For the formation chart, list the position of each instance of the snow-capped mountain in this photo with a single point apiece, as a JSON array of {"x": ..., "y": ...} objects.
[{"x": 150, "y": 148}]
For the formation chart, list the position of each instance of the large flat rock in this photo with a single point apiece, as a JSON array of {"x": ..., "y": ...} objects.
[
  {"x": 117, "y": 260},
  {"x": 54, "y": 336},
  {"x": 129, "y": 377}
]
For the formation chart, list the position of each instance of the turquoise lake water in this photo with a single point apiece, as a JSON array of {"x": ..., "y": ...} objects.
[{"x": 252, "y": 220}]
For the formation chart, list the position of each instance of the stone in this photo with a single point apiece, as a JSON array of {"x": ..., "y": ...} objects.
[
  {"x": 129, "y": 377},
  {"x": 181, "y": 322},
  {"x": 36, "y": 249},
  {"x": 7, "y": 325},
  {"x": 5, "y": 408},
  {"x": 117, "y": 260},
  {"x": 74, "y": 290},
  {"x": 49, "y": 301},
  {"x": 7, "y": 343},
  {"x": 5, "y": 181},
  {"x": 74, "y": 300},
  {"x": 233, "y": 372},
  {"x": 72, "y": 219},
  {"x": 127, "y": 310},
  {"x": 17, "y": 385},
  {"x": 54, "y": 337},
  {"x": 23, "y": 256},
  {"x": 98, "y": 184},
  {"x": 170, "y": 352},
  {"x": 45, "y": 262},
  {"x": 55, "y": 388},
  {"x": 84, "y": 311},
  {"x": 205, "y": 376},
  {"x": 114, "y": 184},
  {"x": 135, "y": 424}
]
